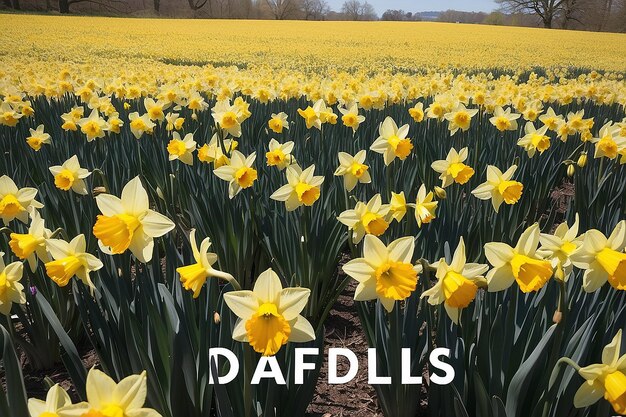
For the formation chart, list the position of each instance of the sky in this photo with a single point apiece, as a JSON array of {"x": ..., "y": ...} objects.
[{"x": 425, "y": 5}]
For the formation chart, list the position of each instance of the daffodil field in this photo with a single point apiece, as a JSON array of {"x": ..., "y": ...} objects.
[{"x": 169, "y": 188}]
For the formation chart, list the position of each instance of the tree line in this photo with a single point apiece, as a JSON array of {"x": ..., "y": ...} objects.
[{"x": 598, "y": 15}]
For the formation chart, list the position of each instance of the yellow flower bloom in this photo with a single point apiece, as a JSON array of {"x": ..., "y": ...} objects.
[
  {"x": 609, "y": 144},
  {"x": 212, "y": 152},
  {"x": 351, "y": 117},
  {"x": 93, "y": 126},
  {"x": 460, "y": 118},
  {"x": 370, "y": 218},
  {"x": 384, "y": 272},
  {"x": 15, "y": 203},
  {"x": 453, "y": 168},
  {"x": 602, "y": 259},
  {"x": 56, "y": 399},
  {"x": 311, "y": 115},
  {"x": 397, "y": 206},
  {"x": 154, "y": 109},
  {"x": 551, "y": 120},
  {"x": 32, "y": 245},
  {"x": 279, "y": 155},
  {"x": 417, "y": 112},
  {"x": 278, "y": 122},
  {"x": 174, "y": 121},
  {"x": 457, "y": 283},
  {"x": 181, "y": 149},
  {"x": 194, "y": 276},
  {"x": 70, "y": 176},
  {"x": 11, "y": 290},
  {"x": 105, "y": 398},
  {"x": 227, "y": 117},
  {"x": 302, "y": 188},
  {"x": 393, "y": 141},
  {"x": 38, "y": 138},
  {"x": 269, "y": 315},
  {"x": 353, "y": 169},
  {"x": 504, "y": 119},
  {"x": 520, "y": 264},
  {"x": 559, "y": 247},
  {"x": 8, "y": 115},
  {"x": 70, "y": 259},
  {"x": 140, "y": 124},
  {"x": 424, "y": 206},
  {"x": 114, "y": 123},
  {"x": 606, "y": 379},
  {"x": 499, "y": 187},
  {"x": 129, "y": 223},
  {"x": 239, "y": 172},
  {"x": 534, "y": 140}
]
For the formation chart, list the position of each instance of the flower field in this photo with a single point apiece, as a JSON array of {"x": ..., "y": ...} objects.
[{"x": 170, "y": 189}]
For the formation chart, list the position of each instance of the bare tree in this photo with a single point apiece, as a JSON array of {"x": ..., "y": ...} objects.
[
  {"x": 282, "y": 9},
  {"x": 572, "y": 12},
  {"x": 196, "y": 4},
  {"x": 315, "y": 9},
  {"x": 357, "y": 10},
  {"x": 64, "y": 5},
  {"x": 547, "y": 10}
]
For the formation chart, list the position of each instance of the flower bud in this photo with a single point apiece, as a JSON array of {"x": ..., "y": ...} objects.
[
  {"x": 126, "y": 106},
  {"x": 582, "y": 160},
  {"x": 216, "y": 318},
  {"x": 441, "y": 193},
  {"x": 556, "y": 318},
  {"x": 99, "y": 190},
  {"x": 570, "y": 170}
]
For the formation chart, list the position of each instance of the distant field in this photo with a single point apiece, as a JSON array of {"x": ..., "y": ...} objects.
[{"x": 305, "y": 46}]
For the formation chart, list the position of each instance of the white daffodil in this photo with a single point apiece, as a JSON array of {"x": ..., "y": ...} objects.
[{"x": 353, "y": 169}]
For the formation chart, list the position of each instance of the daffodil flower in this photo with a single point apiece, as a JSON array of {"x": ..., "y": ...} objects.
[
  {"x": 370, "y": 218},
  {"x": 535, "y": 140},
  {"x": 154, "y": 109},
  {"x": 602, "y": 259},
  {"x": 351, "y": 117},
  {"x": 93, "y": 126},
  {"x": 11, "y": 290},
  {"x": 417, "y": 112},
  {"x": 140, "y": 124},
  {"x": 279, "y": 154},
  {"x": 499, "y": 187},
  {"x": 460, "y": 118},
  {"x": 70, "y": 259},
  {"x": 521, "y": 263},
  {"x": 609, "y": 143},
  {"x": 15, "y": 203},
  {"x": 504, "y": 120},
  {"x": 239, "y": 172},
  {"x": 384, "y": 272},
  {"x": 114, "y": 123},
  {"x": 106, "y": 398},
  {"x": 551, "y": 119},
  {"x": 302, "y": 188},
  {"x": 56, "y": 399},
  {"x": 397, "y": 206},
  {"x": 181, "y": 149},
  {"x": 32, "y": 245},
  {"x": 311, "y": 115},
  {"x": 278, "y": 122},
  {"x": 194, "y": 276},
  {"x": 8, "y": 115},
  {"x": 38, "y": 138},
  {"x": 457, "y": 283},
  {"x": 353, "y": 169},
  {"x": 269, "y": 315},
  {"x": 227, "y": 117},
  {"x": 453, "y": 168},
  {"x": 606, "y": 379},
  {"x": 70, "y": 176},
  {"x": 559, "y": 247},
  {"x": 425, "y": 206},
  {"x": 129, "y": 223},
  {"x": 393, "y": 141},
  {"x": 212, "y": 152},
  {"x": 174, "y": 121}
]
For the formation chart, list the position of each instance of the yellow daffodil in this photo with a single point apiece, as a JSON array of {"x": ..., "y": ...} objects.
[
  {"x": 129, "y": 223},
  {"x": 499, "y": 187},
  {"x": 521, "y": 263},
  {"x": 227, "y": 117},
  {"x": 106, "y": 398},
  {"x": 70, "y": 176},
  {"x": 93, "y": 126},
  {"x": 8, "y": 115},
  {"x": 609, "y": 143},
  {"x": 460, "y": 118},
  {"x": 397, "y": 206},
  {"x": 279, "y": 154},
  {"x": 269, "y": 315},
  {"x": 181, "y": 149},
  {"x": 194, "y": 276},
  {"x": 353, "y": 169},
  {"x": 453, "y": 168},
  {"x": 424, "y": 206},
  {"x": 11, "y": 290},
  {"x": 239, "y": 172},
  {"x": 56, "y": 399},
  {"x": 384, "y": 272},
  {"x": 302, "y": 188},
  {"x": 70, "y": 259},
  {"x": 602, "y": 259},
  {"x": 154, "y": 109},
  {"x": 311, "y": 115},
  {"x": 325, "y": 112},
  {"x": 393, "y": 141},
  {"x": 370, "y": 218},
  {"x": 559, "y": 247},
  {"x": 38, "y": 138},
  {"x": 606, "y": 379},
  {"x": 351, "y": 117},
  {"x": 15, "y": 203},
  {"x": 457, "y": 283},
  {"x": 32, "y": 245},
  {"x": 174, "y": 121},
  {"x": 534, "y": 140},
  {"x": 140, "y": 124},
  {"x": 504, "y": 120},
  {"x": 417, "y": 112},
  {"x": 278, "y": 122},
  {"x": 71, "y": 118},
  {"x": 577, "y": 122},
  {"x": 212, "y": 152},
  {"x": 114, "y": 123},
  {"x": 551, "y": 119}
]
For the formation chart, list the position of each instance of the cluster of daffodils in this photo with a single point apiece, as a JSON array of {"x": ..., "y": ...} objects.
[{"x": 105, "y": 397}]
